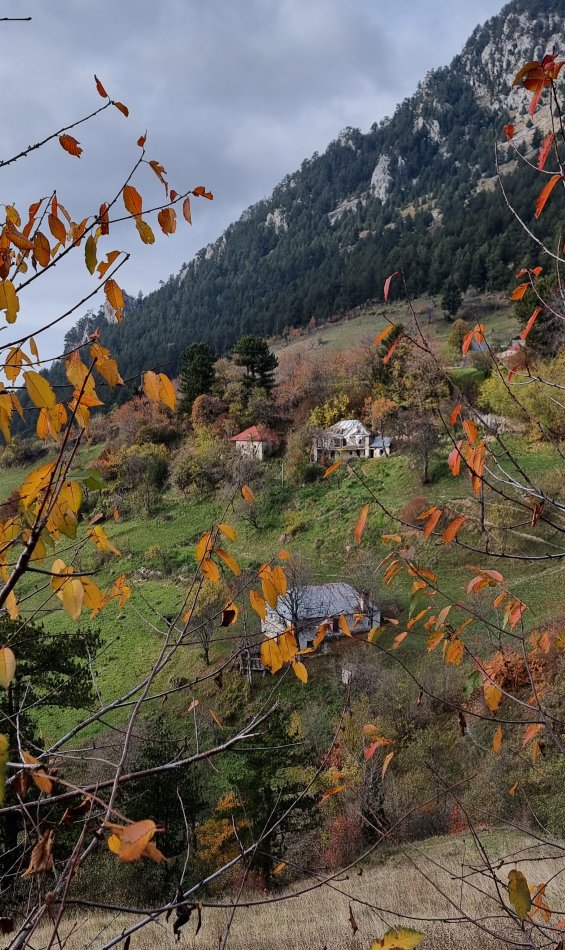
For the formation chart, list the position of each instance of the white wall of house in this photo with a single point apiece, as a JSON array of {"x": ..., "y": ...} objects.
[{"x": 258, "y": 450}]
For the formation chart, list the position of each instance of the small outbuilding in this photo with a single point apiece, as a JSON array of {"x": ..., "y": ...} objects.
[{"x": 257, "y": 442}]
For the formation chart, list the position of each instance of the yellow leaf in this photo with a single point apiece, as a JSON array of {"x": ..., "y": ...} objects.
[
  {"x": 216, "y": 718},
  {"x": 271, "y": 656},
  {"x": 39, "y": 777},
  {"x": 35, "y": 483},
  {"x": 203, "y": 546},
  {"x": 344, "y": 626},
  {"x": 152, "y": 386},
  {"x": 132, "y": 839},
  {"x": 400, "y": 939},
  {"x": 41, "y": 249},
  {"x": 90, "y": 253},
  {"x": 280, "y": 867},
  {"x": 9, "y": 300},
  {"x": 39, "y": 390},
  {"x": 247, "y": 494},
  {"x": 455, "y": 652},
  {"x": 497, "y": 739},
  {"x": 106, "y": 365},
  {"x": 269, "y": 591},
  {"x": 278, "y": 578},
  {"x": 300, "y": 671},
  {"x": 13, "y": 363},
  {"x": 287, "y": 645},
  {"x": 167, "y": 394},
  {"x": 94, "y": 599},
  {"x": 333, "y": 468},
  {"x": 229, "y": 561},
  {"x": 71, "y": 595},
  {"x": 145, "y": 232},
  {"x": 227, "y": 531},
  {"x": 12, "y": 606},
  {"x": 102, "y": 541},
  {"x": 210, "y": 570},
  {"x": 519, "y": 893},
  {"x": 257, "y": 603},
  {"x": 386, "y": 763},
  {"x": 493, "y": 696},
  {"x": 7, "y": 666}
]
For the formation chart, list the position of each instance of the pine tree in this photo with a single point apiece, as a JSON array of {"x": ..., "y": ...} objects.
[
  {"x": 197, "y": 373},
  {"x": 253, "y": 353}
]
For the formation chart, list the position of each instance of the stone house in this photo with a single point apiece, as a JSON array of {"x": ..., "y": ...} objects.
[{"x": 257, "y": 442}]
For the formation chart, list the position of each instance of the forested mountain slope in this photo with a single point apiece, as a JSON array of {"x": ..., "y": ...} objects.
[{"x": 417, "y": 191}]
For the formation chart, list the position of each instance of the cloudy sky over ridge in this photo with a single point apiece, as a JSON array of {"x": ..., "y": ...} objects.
[{"x": 233, "y": 93}]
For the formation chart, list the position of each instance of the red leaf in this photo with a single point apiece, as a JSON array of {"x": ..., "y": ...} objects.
[
  {"x": 141, "y": 140},
  {"x": 509, "y": 131},
  {"x": 530, "y": 323},
  {"x": 100, "y": 88},
  {"x": 545, "y": 150},
  {"x": 544, "y": 194},
  {"x": 387, "y": 284}
]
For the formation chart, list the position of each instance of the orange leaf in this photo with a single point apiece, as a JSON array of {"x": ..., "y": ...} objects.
[
  {"x": 141, "y": 140},
  {"x": 432, "y": 522},
  {"x": 344, "y": 626},
  {"x": 520, "y": 292},
  {"x": 100, "y": 88},
  {"x": 333, "y": 468},
  {"x": 531, "y": 732},
  {"x": 383, "y": 335},
  {"x": 132, "y": 199},
  {"x": 390, "y": 353},
  {"x": 544, "y": 195},
  {"x": 545, "y": 150},
  {"x": 452, "y": 529},
  {"x": 470, "y": 429},
  {"x": 186, "y": 210},
  {"x": 362, "y": 521},
  {"x": 530, "y": 323},
  {"x": 247, "y": 494},
  {"x": 70, "y": 145},
  {"x": 455, "y": 414},
  {"x": 122, "y": 108},
  {"x": 497, "y": 739}
]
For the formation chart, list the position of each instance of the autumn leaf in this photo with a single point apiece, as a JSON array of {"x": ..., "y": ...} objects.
[
  {"x": 386, "y": 763},
  {"x": 544, "y": 195},
  {"x": 210, "y": 570},
  {"x": 530, "y": 323},
  {"x": 508, "y": 131},
  {"x": 520, "y": 292},
  {"x": 383, "y": 335},
  {"x": 7, "y": 666},
  {"x": 41, "y": 249},
  {"x": 167, "y": 220},
  {"x": 132, "y": 200},
  {"x": 493, "y": 696},
  {"x": 247, "y": 494},
  {"x": 258, "y": 603},
  {"x": 344, "y": 626},
  {"x": 121, "y": 108},
  {"x": 42, "y": 855},
  {"x": 388, "y": 282},
  {"x": 399, "y": 939},
  {"x": 100, "y": 88},
  {"x": 362, "y": 521},
  {"x": 271, "y": 657},
  {"x": 186, "y": 210},
  {"x": 333, "y": 468},
  {"x": 9, "y": 300},
  {"x": 470, "y": 429},
  {"x": 145, "y": 232},
  {"x": 229, "y": 561},
  {"x": 38, "y": 776},
  {"x": 545, "y": 149},
  {"x": 497, "y": 739},
  {"x": 450, "y": 532},
  {"x": 39, "y": 390},
  {"x": 70, "y": 145},
  {"x": 432, "y": 522},
  {"x": 129, "y": 841},
  {"x": 300, "y": 671},
  {"x": 519, "y": 893},
  {"x": 115, "y": 297},
  {"x": 390, "y": 353}
]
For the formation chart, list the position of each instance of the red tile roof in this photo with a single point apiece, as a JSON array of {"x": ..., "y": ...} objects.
[{"x": 257, "y": 434}]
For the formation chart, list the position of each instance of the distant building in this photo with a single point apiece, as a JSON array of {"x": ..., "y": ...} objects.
[
  {"x": 258, "y": 442},
  {"x": 349, "y": 439},
  {"x": 305, "y": 608},
  {"x": 515, "y": 349}
]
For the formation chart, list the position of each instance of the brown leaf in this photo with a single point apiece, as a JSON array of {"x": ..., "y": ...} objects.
[
  {"x": 121, "y": 108},
  {"x": 352, "y": 920},
  {"x": 42, "y": 855}
]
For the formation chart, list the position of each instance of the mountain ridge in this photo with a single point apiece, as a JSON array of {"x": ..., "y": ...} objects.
[{"x": 417, "y": 190}]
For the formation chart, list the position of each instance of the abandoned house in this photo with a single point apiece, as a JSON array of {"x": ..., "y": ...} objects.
[
  {"x": 349, "y": 439},
  {"x": 258, "y": 442}
]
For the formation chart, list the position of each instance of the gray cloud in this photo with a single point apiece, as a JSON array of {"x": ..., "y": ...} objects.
[{"x": 233, "y": 93}]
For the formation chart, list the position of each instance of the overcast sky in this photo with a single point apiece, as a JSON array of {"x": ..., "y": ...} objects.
[{"x": 234, "y": 95}]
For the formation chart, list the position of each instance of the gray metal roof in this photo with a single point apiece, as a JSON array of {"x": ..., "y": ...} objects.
[{"x": 313, "y": 602}]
